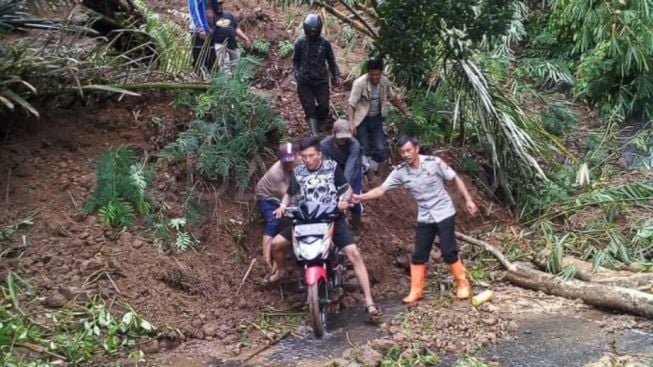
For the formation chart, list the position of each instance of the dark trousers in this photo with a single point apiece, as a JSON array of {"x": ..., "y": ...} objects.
[
  {"x": 203, "y": 53},
  {"x": 370, "y": 135},
  {"x": 425, "y": 235},
  {"x": 357, "y": 188},
  {"x": 309, "y": 95}
]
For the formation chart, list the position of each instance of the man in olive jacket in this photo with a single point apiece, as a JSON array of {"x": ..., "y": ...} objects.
[{"x": 368, "y": 94}]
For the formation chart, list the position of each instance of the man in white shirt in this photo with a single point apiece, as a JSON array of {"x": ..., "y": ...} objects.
[{"x": 424, "y": 177}]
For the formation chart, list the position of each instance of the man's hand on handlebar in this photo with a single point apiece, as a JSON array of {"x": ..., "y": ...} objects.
[
  {"x": 356, "y": 198},
  {"x": 280, "y": 211}
]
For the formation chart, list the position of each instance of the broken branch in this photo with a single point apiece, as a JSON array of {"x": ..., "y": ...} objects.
[{"x": 251, "y": 265}]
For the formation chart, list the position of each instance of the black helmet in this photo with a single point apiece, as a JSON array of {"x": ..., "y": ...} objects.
[{"x": 312, "y": 23}]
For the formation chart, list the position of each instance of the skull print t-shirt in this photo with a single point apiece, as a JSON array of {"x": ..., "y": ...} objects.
[{"x": 321, "y": 185}]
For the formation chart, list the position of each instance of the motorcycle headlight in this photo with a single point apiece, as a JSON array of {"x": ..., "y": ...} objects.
[{"x": 310, "y": 250}]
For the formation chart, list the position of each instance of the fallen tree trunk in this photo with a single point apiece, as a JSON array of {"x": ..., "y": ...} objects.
[
  {"x": 585, "y": 271},
  {"x": 608, "y": 296},
  {"x": 601, "y": 295}
]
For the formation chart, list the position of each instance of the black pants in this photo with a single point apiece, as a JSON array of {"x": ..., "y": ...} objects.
[
  {"x": 203, "y": 53},
  {"x": 309, "y": 94},
  {"x": 425, "y": 235}
]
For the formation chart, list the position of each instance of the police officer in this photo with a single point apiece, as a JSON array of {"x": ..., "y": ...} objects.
[{"x": 424, "y": 177}]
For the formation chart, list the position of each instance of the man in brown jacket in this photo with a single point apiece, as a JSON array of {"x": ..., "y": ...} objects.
[{"x": 368, "y": 94}]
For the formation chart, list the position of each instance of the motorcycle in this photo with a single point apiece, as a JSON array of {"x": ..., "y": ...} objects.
[{"x": 324, "y": 269}]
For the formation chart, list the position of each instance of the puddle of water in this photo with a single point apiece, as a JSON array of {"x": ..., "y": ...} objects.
[
  {"x": 347, "y": 328},
  {"x": 549, "y": 340}
]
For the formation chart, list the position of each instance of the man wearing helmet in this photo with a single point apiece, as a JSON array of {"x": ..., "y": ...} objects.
[
  {"x": 311, "y": 56},
  {"x": 274, "y": 184}
]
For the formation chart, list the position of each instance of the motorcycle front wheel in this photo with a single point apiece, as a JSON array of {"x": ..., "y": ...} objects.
[{"x": 317, "y": 307}]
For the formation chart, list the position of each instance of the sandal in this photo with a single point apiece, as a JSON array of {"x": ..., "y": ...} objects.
[
  {"x": 374, "y": 312},
  {"x": 274, "y": 277}
]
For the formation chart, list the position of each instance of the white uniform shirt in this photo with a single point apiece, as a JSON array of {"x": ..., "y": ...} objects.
[{"x": 426, "y": 184}]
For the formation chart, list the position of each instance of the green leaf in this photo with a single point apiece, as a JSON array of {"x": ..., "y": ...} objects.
[
  {"x": 146, "y": 325},
  {"x": 21, "y": 101},
  {"x": 110, "y": 88},
  {"x": 13, "y": 291}
]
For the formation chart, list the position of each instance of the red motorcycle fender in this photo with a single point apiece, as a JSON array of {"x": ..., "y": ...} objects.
[{"x": 313, "y": 273}]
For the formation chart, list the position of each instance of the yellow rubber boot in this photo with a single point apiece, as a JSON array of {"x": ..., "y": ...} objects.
[
  {"x": 417, "y": 279},
  {"x": 463, "y": 289}
]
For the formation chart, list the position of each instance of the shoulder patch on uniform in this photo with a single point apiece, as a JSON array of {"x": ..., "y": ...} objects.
[
  {"x": 443, "y": 165},
  {"x": 402, "y": 165}
]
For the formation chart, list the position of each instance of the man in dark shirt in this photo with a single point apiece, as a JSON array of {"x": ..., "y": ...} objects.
[
  {"x": 311, "y": 56},
  {"x": 343, "y": 148},
  {"x": 225, "y": 30},
  {"x": 318, "y": 180}
]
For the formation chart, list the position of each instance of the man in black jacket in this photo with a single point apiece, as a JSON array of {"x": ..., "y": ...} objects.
[{"x": 312, "y": 55}]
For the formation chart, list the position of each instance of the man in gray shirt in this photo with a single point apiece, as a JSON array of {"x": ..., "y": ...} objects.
[
  {"x": 343, "y": 148},
  {"x": 423, "y": 176}
]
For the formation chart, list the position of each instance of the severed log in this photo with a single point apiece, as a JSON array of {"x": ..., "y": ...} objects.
[
  {"x": 585, "y": 271},
  {"x": 601, "y": 295}
]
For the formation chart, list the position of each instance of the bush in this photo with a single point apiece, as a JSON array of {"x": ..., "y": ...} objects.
[
  {"x": 431, "y": 119},
  {"x": 610, "y": 43},
  {"x": 120, "y": 190},
  {"x": 232, "y": 126},
  {"x": 558, "y": 119}
]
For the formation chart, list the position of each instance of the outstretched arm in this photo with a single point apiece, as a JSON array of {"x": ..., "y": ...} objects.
[
  {"x": 469, "y": 202},
  {"x": 375, "y": 193},
  {"x": 243, "y": 36}
]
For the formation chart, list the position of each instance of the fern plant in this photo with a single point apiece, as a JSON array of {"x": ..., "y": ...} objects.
[
  {"x": 286, "y": 48},
  {"x": 261, "y": 47},
  {"x": 170, "y": 39},
  {"x": 172, "y": 235},
  {"x": 121, "y": 189},
  {"x": 232, "y": 126}
]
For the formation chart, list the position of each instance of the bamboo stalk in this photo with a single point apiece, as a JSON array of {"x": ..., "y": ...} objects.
[
  {"x": 344, "y": 18},
  {"x": 360, "y": 19}
]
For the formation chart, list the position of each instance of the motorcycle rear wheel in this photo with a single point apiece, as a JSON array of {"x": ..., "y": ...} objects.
[{"x": 317, "y": 307}]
